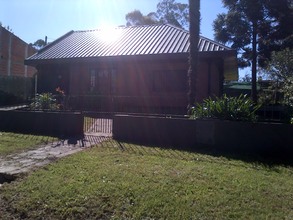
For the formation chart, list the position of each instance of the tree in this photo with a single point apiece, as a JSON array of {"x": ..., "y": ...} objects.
[
  {"x": 279, "y": 36},
  {"x": 280, "y": 71},
  {"x": 171, "y": 12},
  {"x": 137, "y": 18},
  {"x": 168, "y": 11},
  {"x": 39, "y": 44},
  {"x": 281, "y": 65},
  {"x": 194, "y": 28},
  {"x": 253, "y": 27}
]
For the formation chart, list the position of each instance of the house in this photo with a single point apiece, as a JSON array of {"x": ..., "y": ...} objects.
[
  {"x": 15, "y": 77},
  {"x": 136, "y": 69}
]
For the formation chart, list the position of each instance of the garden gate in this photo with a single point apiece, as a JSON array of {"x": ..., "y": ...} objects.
[{"x": 98, "y": 123}]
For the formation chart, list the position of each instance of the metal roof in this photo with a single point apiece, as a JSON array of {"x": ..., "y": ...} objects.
[{"x": 123, "y": 41}]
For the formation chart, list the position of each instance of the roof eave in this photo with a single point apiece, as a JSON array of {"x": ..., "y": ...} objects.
[{"x": 224, "y": 54}]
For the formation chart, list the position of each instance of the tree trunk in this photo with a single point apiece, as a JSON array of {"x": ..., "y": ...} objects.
[
  {"x": 194, "y": 26},
  {"x": 254, "y": 63}
]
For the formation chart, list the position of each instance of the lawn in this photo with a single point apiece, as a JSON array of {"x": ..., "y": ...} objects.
[
  {"x": 13, "y": 143},
  {"x": 123, "y": 181}
]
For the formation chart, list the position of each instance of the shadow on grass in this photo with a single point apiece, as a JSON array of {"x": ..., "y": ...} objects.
[
  {"x": 264, "y": 158},
  {"x": 268, "y": 159}
]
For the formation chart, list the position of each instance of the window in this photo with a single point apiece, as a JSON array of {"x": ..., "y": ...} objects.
[
  {"x": 103, "y": 81},
  {"x": 92, "y": 80},
  {"x": 169, "y": 81}
]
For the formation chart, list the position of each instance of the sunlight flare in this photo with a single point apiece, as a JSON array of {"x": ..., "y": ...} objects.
[{"x": 109, "y": 34}]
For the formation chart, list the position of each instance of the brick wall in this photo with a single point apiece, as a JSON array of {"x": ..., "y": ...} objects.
[{"x": 13, "y": 51}]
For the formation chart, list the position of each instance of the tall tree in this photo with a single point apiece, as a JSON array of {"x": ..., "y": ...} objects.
[
  {"x": 137, "y": 18},
  {"x": 194, "y": 29},
  {"x": 172, "y": 12},
  {"x": 168, "y": 11},
  {"x": 247, "y": 26},
  {"x": 278, "y": 34}
]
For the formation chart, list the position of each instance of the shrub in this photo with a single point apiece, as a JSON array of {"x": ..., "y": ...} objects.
[
  {"x": 44, "y": 101},
  {"x": 226, "y": 108}
]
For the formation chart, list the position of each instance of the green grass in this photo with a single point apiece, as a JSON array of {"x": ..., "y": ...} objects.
[
  {"x": 123, "y": 181},
  {"x": 12, "y": 143}
]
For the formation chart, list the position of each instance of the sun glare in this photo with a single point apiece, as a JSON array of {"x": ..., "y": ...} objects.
[{"x": 109, "y": 34}]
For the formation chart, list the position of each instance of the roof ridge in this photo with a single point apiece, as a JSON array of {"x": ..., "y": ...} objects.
[{"x": 133, "y": 26}]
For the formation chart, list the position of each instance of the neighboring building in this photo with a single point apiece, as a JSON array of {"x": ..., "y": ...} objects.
[
  {"x": 13, "y": 52},
  {"x": 16, "y": 82},
  {"x": 135, "y": 69}
]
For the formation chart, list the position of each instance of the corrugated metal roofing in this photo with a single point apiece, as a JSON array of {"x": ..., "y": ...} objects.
[{"x": 123, "y": 41}]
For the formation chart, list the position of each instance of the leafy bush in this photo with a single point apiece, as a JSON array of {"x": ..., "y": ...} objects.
[
  {"x": 226, "y": 108},
  {"x": 44, "y": 101}
]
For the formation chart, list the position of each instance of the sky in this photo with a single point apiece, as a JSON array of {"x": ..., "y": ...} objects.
[{"x": 31, "y": 20}]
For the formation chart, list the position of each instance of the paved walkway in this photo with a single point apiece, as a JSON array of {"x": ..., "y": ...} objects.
[
  {"x": 10, "y": 108},
  {"x": 14, "y": 164}
]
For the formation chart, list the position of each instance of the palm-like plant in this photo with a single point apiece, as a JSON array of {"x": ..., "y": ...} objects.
[{"x": 226, "y": 108}]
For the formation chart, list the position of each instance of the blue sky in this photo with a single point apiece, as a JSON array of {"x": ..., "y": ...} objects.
[
  {"x": 31, "y": 20},
  {"x": 34, "y": 19}
]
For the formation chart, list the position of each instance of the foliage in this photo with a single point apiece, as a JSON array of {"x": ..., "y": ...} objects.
[
  {"x": 60, "y": 98},
  {"x": 39, "y": 44},
  {"x": 287, "y": 90},
  {"x": 44, "y": 101},
  {"x": 281, "y": 65},
  {"x": 226, "y": 108},
  {"x": 272, "y": 19},
  {"x": 138, "y": 182},
  {"x": 280, "y": 71},
  {"x": 137, "y": 18},
  {"x": 255, "y": 28},
  {"x": 49, "y": 101},
  {"x": 171, "y": 12},
  {"x": 271, "y": 95},
  {"x": 168, "y": 11}
]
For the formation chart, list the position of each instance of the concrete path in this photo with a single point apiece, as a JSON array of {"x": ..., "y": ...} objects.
[
  {"x": 15, "y": 164},
  {"x": 10, "y": 108}
]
